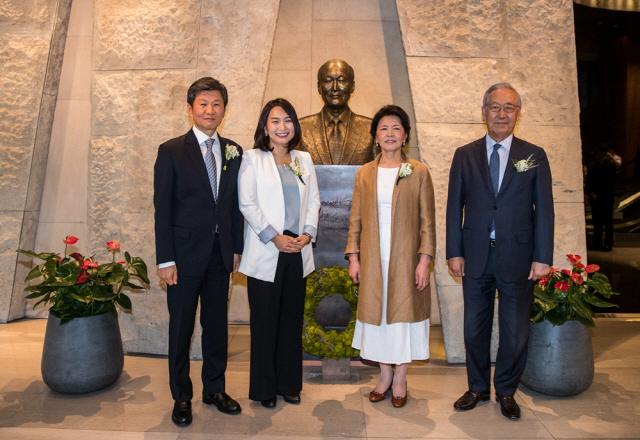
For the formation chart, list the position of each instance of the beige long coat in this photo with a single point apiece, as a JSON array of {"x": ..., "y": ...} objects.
[{"x": 412, "y": 233}]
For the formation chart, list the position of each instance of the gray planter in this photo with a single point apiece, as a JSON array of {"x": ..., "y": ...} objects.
[
  {"x": 83, "y": 355},
  {"x": 560, "y": 360}
]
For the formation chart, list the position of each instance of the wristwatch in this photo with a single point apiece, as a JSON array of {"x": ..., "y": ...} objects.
[{"x": 308, "y": 235}]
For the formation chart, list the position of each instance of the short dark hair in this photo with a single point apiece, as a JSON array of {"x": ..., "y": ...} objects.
[
  {"x": 261, "y": 139},
  {"x": 206, "y": 84},
  {"x": 391, "y": 110}
]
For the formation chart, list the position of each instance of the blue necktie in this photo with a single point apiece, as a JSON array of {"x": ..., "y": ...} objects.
[
  {"x": 212, "y": 170},
  {"x": 494, "y": 169}
]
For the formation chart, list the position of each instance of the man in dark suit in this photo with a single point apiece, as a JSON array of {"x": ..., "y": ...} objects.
[
  {"x": 501, "y": 186},
  {"x": 336, "y": 135},
  {"x": 198, "y": 228}
]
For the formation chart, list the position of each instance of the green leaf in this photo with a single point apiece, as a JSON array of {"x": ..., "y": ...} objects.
[
  {"x": 127, "y": 257},
  {"x": 35, "y": 295},
  {"x": 41, "y": 256},
  {"x": 594, "y": 300},
  {"x": 545, "y": 295},
  {"x": 33, "y": 273},
  {"x": 558, "y": 315},
  {"x": 589, "y": 322},
  {"x": 134, "y": 286},
  {"x": 579, "y": 304},
  {"x": 140, "y": 268},
  {"x": 124, "y": 301},
  {"x": 68, "y": 280},
  {"x": 102, "y": 293}
]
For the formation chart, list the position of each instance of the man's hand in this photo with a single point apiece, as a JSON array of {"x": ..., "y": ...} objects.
[
  {"x": 236, "y": 262},
  {"x": 538, "y": 270},
  {"x": 169, "y": 274},
  {"x": 456, "y": 265},
  {"x": 354, "y": 268}
]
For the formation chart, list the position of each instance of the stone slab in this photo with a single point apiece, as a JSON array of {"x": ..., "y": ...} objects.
[
  {"x": 570, "y": 234},
  {"x": 27, "y": 16},
  {"x": 56, "y": 51},
  {"x": 455, "y": 28},
  {"x": 437, "y": 94},
  {"x": 355, "y": 10},
  {"x": 145, "y": 34},
  {"x": 24, "y": 264},
  {"x": 10, "y": 227},
  {"x": 542, "y": 60},
  {"x": 235, "y": 46},
  {"x": 292, "y": 41}
]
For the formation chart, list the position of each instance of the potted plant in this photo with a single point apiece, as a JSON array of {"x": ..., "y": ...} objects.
[
  {"x": 83, "y": 348},
  {"x": 560, "y": 358}
]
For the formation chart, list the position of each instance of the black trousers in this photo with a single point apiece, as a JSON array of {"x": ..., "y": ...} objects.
[
  {"x": 514, "y": 312},
  {"x": 212, "y": 289},
  {"x": 276, "y": 330}
]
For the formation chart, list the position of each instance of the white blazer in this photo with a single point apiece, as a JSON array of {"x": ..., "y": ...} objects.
[{"x": 262, "y": 204}]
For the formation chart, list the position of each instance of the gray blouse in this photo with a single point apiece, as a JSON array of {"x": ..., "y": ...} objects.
[{"x": 291, "y": 199}]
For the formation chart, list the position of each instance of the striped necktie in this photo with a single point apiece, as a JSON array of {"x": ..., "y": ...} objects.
[{"x": 212, "y": 169}]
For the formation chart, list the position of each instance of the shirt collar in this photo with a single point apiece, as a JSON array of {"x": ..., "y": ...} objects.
[
  {"x": 343, "y": 117},
  {"x": 202, "y": 137},
  {"x": 506, "y": 143}
]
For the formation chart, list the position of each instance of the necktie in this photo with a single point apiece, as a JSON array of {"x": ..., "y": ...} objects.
[
  {"x": 212, "y": 169},
  {"x": 494, "y": 169},
  {"x": 335, "y": 140}
]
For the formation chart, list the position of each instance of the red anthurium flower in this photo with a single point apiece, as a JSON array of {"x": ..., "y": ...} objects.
[
  {"x": 577, "y": 278},
  {"x": 122, "y": 262},
  {"x": 113, "y": 245},
  {"x": 59, "y": 260},
  {"x": 561, "y": 285},
  {"x": 592, "y": 268},
  {"x": 567, "y": 272},
  {"x": 580, "y": 265},
  {"x": 82, "y": 278},
  {"x": 543, "y": 281},
  {"x": 70, "y": 240},
  {"x": 76, "y": 256},
  {"x": 88, "y": 263},
  {"x": 574, "y": 258}
]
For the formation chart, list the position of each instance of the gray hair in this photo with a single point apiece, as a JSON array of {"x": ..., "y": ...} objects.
[{"x": 499, "y": 86}]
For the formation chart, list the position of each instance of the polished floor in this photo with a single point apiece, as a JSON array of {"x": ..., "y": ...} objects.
[{"x": 138, "y": 406}]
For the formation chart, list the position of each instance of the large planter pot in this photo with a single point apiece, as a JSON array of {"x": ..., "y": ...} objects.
[
  {"x": 560, "y": 360},
  {"x": 82, "y": 355}
]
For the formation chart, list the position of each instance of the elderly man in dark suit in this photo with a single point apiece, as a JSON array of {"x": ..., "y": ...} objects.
[
  {"x": 501, "y": 186},
  {"x": 198, "y": 228}
]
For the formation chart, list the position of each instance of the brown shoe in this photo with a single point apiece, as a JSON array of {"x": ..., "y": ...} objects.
[
  {"x": 375, "y": 396},
  {"x": 399, "y": 402}
]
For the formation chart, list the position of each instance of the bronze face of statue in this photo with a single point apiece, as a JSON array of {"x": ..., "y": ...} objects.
[{"x": 336, "y": 135}]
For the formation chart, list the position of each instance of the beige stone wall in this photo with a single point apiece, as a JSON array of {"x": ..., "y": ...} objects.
[
  {"x": 145, "y": 56},
  {"x": 32, "y": 38},
  {"x": 455, "y": 50}
]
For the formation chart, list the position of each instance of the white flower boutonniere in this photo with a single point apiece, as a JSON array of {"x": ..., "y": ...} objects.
[
  {"x": 406, "y": 169},
  {"x": 230, "y": 152},
  {"x": 524, "y": 164},
  {"x": 297, "y": 169}
]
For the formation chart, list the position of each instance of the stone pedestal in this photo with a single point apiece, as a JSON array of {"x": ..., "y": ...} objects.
[{"x": 336, "y": 370}]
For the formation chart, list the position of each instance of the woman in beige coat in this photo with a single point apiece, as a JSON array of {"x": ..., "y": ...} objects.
[{"x": 391, "y": 243}]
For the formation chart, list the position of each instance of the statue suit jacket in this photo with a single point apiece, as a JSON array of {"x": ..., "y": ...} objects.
[
  {"x": 523, "y": 211},
  {"x": 358, "y": 147},
  {"x": 186, "y": 214},
  {"x": 413, "y": 232}
]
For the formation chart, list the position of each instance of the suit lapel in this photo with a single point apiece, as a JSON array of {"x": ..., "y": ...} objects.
[
  {"x": 480, "y": 153},
  {"x": 195, "y": 154},
  {"x": 514, "y": 155}
]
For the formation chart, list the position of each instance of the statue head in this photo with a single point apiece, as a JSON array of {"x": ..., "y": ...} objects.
[{"x": 336, "y": 83}]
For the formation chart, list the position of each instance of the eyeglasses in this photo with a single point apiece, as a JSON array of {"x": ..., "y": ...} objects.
[{"x": 508, "y": 108}]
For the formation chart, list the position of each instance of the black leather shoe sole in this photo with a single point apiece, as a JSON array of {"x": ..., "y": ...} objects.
[
  {"x": 269, "y": 403},
  {"x": 294, "y": 398},
  {"x": 470, "y": 399}
]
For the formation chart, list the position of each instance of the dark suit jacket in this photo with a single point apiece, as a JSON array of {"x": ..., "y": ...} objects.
[
  {"x": 523, "y": 211},
  {"x": 358, "y": 147},
  {"x": 186, "y": 214}
]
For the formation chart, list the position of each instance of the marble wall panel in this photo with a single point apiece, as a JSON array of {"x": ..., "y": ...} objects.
[
  {"x": 146, "y": 328},
  {"x": 145, "y": 34},
  {"x": 10, "y": 227},
  {"x": 27, "y": 16},
  {"x": 24, "y": 264},
  {"x": 234, "y": 46},
  {"x": 292, "y": 41},
  {"x": 570, "y": 236},
  {"x": 542, "y": 60},
  {"x": 437, "y": 92},
  {"x": 355, "y": 10},
  {"x": 455, "y": 28}
]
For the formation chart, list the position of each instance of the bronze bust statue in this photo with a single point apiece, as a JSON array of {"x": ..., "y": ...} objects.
[{"x": 336, "y": 135}]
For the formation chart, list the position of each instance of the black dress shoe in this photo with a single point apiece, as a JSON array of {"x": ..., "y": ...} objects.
[
  {"x": 181, "y": 414},
  {"x": 509, "y": 407},
  {"x": 269, "y": 403},
  {"x": 291, "y": 398},
  {"x": 223, "y": 402},
  {"x": 470, "y": 399}
]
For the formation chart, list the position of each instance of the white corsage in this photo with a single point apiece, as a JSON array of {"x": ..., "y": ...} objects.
[
  {"x": 406, "y": 169},
  {"x": 297, "y": 169},
  {"x": 230, "y": 152},
  {"x": 524, "y": 164}
]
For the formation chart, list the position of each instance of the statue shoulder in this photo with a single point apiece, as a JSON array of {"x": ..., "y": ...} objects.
[
  {"x": 311, "y": 120},
  {"x": 359, "y": 119}
]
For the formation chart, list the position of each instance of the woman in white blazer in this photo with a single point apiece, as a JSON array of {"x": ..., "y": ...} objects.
[{"x": 278, "y": 194}]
